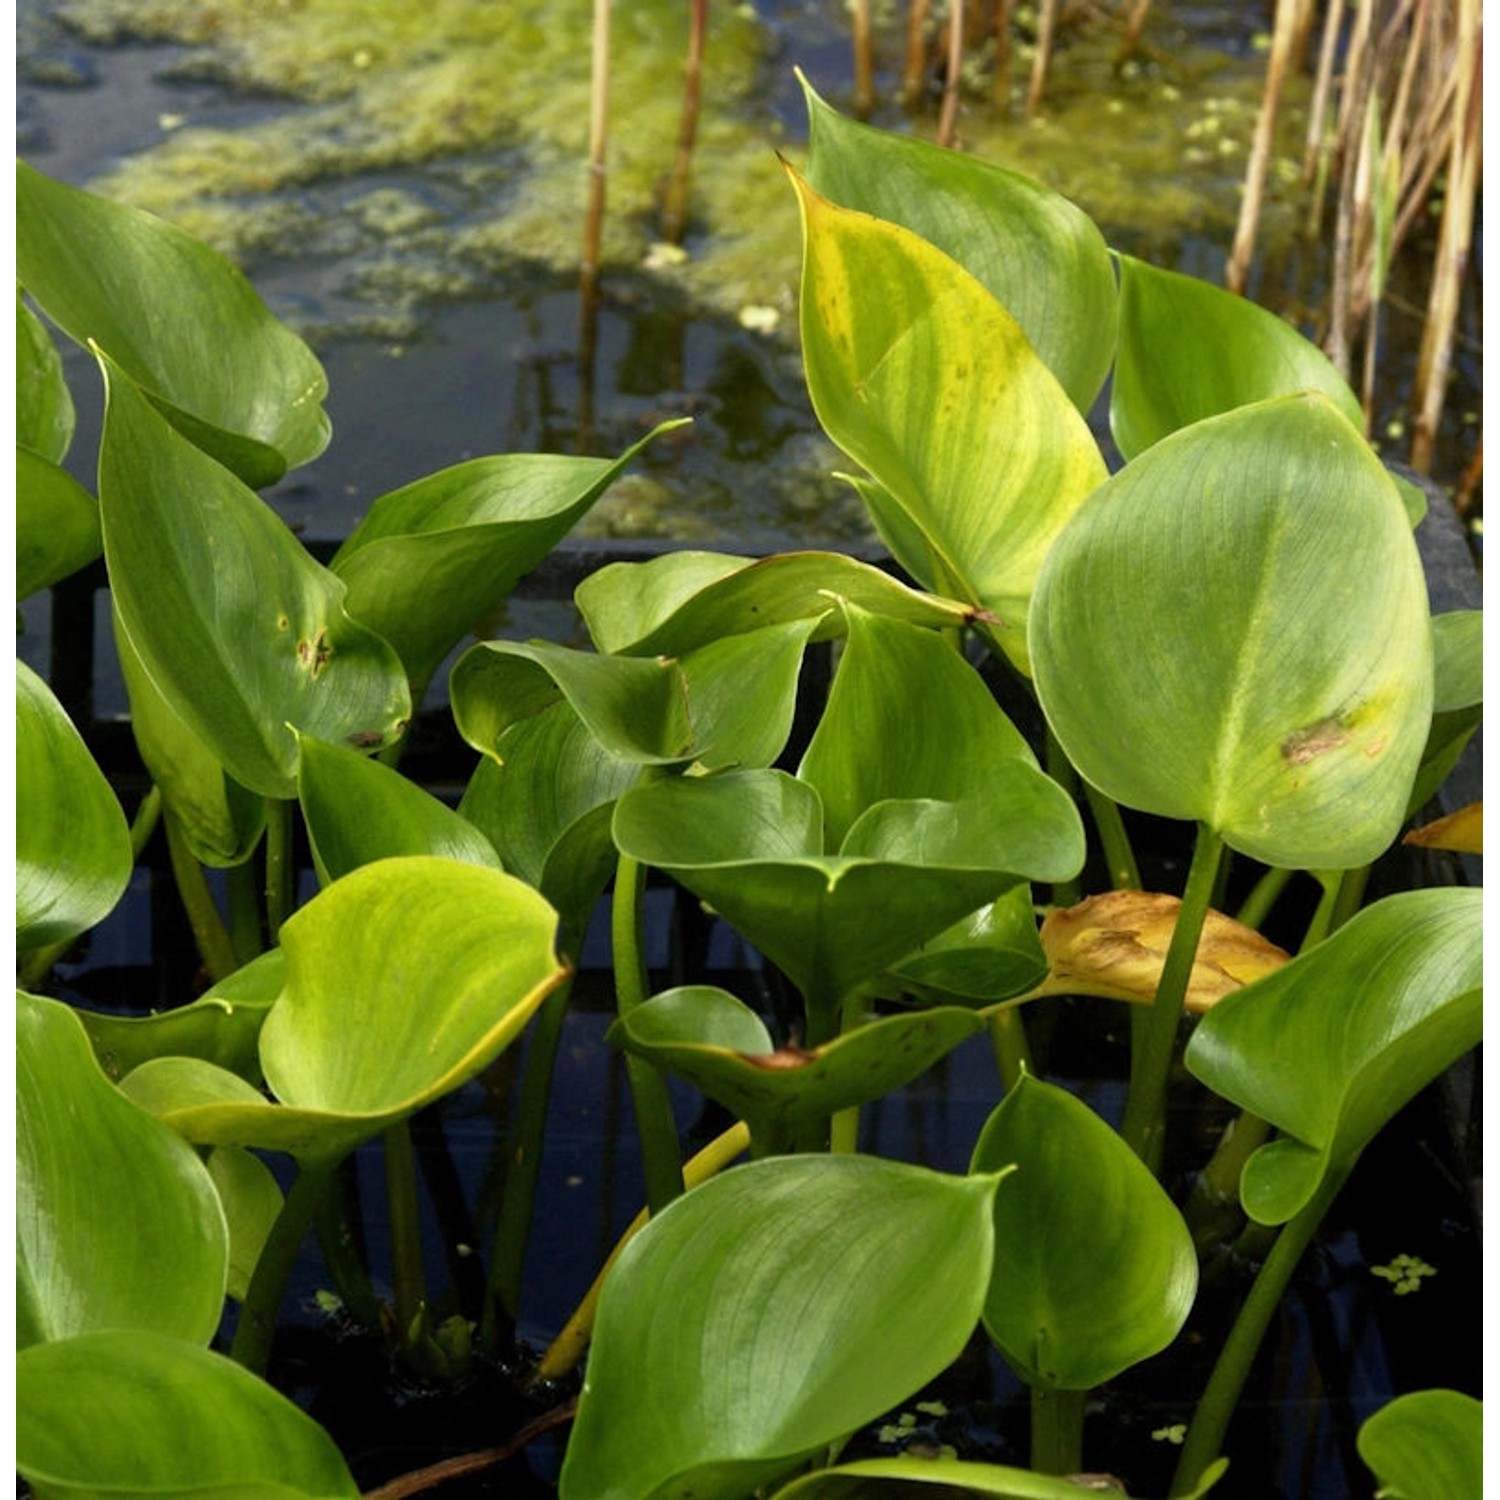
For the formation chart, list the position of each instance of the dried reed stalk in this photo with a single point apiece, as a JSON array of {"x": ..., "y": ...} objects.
[
  {"x": 914, "y": 74},
  {"x": 1237, "y": 271},
  {"x": 593, "y": 228},
  {"x": 1455, "y": 235},
  {"x": 1131, "y": 39},
  {"x": 864, "y": 60},
  {"x": 679, "y": 188},
  {"x": 947, "y": 132},
  {"x": 1001, "y": 85},
  {"x": 1046, "y": 31}
]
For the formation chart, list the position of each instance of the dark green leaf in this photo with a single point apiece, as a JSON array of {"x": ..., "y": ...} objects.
[
  {"x": 73, "y": 854},
  {"x": 44, "y": 405},
  {"x": 358, "y": 810},
  {"x": 1094, "y": 1268},
  {"x": 145, "y": 292},
  {"x": 1329, "y": 1047},
  {"x": 435, "y": 557},
  {"x": 117, "y": 1222},
  {"x": 57, "y": 524},
  {"x": 1189, "y": 350},
  {"x": 241, "y": 631},
  {"x": 671, "y": 604},
  {"x": 808, "y": 1295},
  {"x": 1427, "y": 1445},
  {"x": 123, "y": 1416}
]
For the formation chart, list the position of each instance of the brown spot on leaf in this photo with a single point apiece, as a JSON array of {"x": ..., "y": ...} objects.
[
  {"x": 782, "y": 1060},
  {"x": 1303, "y": 745},
  {"x": 314, "y": 654}
]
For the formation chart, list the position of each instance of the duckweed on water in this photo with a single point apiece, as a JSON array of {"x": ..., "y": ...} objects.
[{"x": 493, "y": 105}]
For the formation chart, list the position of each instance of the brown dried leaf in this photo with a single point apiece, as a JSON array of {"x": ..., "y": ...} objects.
[
  {"x": 1461, "y": 831},
  {"x": 1114, "y": 945}
]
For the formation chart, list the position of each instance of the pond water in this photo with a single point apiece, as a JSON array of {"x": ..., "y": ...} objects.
[{"x": 405, "y": 185}]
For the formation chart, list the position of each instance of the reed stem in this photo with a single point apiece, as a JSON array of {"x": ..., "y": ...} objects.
[
  {"x": 679, "y": 188},
  {"x": 947, "y": 133}
]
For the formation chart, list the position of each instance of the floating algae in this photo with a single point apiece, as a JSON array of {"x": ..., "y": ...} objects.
[{"x": 403, "y": 160}]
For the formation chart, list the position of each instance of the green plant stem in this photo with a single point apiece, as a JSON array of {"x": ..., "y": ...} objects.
[
  {"x": 648, "y": 1088},
  {"x": 1351, "y": 892},
  {"x": 408, "y": 1283},
  {"x": 1057, "y": 1431},
  {"x": 1216, "y": 1406},
  {"x": 342, "y": 1259},
  {"x": 1124, "y": 873},
  {"x": 257, "y": 1325},
  {"x": 1060, "y": 769},
  {"x": 843, "y": 1128},
  {"x": 508, "y": 1252},
  {"x": 1267, "y": 891},
  {"x": 1321, "y": 923},
  {"x": 1151, "y": 1060},
  {"x": 280, "y": 873},
  {"x": 1008, "y": 1036},
  {"x": 208, "y": 927},
  {"x": 244, "y": 911},
  {"x": 1213, "y": 1207},
  {"x": 143, "y": 824}
]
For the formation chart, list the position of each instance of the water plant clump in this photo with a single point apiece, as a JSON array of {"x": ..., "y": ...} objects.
[{"x": 1230, "y": 634}]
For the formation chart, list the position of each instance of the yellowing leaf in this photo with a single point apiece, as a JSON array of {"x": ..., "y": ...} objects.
[
  {"x": 1114, "y": 945},
  {"x": 1461, "y": 831}
]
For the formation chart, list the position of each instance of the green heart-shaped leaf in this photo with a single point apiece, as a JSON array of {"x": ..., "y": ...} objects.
[
  {"x": 144, "y": 292},
  {"x": 358, "y": 810},
  {"x": 106, "y": 1200},
  {"x": 1457, "y": 698},
  {"x": 907, "y": 716},
  {"x": 719, "y": 1045},
  {"x": 1204, "y": 650},
  {"x": 252, "y": 1200},
  {"x": 403, "y": 980},
  {"x": 220, "y": 820},
  {"x": 1190, "y": 350},
  {"x": 808, "y": 1295},
  {"x": 73, "y": 854},
  {"x": 1329, "y": 1047},
  {"x": 1094, "y": 1267},
  {"x": 750, "y": 844},
  {"x": 729, "y": 702},
  {"x": 992, "y": 954},
  {"x": 432, "y": 558},
  {"x": 182, "y": 1422},
  {"x": 222, "y": 1026},
  {"x": 57, "y": 524},
  {"x": 44, "y": 405},
  {"x": 238, "y": 627},
  {"x": 924, "y": 379},
  {"x": 1427, "y": 1445},
  {"x": 544, "y": 800},
  {"x": 673, "y": 603},
  {"x": 1041, "y": 258}
]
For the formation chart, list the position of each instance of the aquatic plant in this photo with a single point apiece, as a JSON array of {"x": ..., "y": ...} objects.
[{"x": 1231, "y": 632}]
